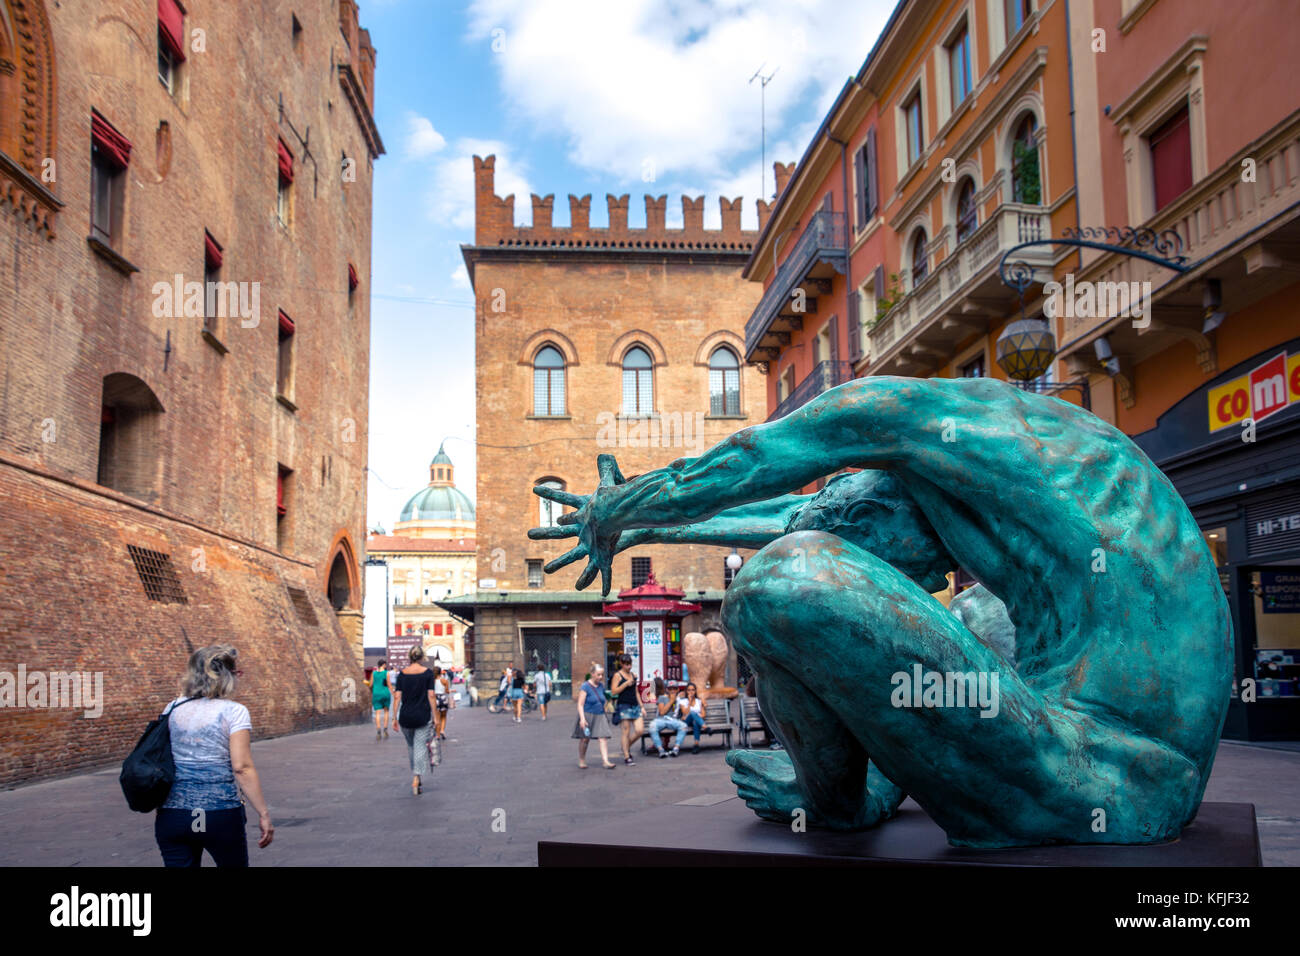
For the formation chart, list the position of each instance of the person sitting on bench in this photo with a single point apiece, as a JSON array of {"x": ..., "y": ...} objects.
[{"x": 665, "y": 721}]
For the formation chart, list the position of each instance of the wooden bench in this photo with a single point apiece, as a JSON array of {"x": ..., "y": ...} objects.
[
  {"x": 717, "y": 720},
  {"x": 751, "y": 722}
]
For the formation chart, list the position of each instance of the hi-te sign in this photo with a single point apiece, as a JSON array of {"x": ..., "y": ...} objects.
[{"x": 1264, "y": 391}]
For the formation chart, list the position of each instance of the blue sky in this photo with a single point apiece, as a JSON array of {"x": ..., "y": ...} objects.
[{"x": 573, "y": 97}]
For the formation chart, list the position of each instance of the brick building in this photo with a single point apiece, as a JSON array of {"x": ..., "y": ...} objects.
[
  {"x": 594, "y": 339},
  {"x": 185, "y": 207}
]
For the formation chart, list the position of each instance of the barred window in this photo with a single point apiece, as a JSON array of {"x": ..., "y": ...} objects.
[
  {"x": 534, "y": 572},
  {"x": 638, "y": 382},
  {"x": 548, "y": 382},
  {"x": 724, "y": 382},
  {"x": 157, "y": 575},
  {"x": 640, "y": 571}
]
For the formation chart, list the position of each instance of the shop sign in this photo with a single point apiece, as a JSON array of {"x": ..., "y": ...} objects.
[
  {"x": 1264, "y": 391},
  {"x": 1280, "y": 591}
]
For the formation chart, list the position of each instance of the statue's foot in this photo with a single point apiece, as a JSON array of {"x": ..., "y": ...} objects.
[{"x": 765, "y": 780}]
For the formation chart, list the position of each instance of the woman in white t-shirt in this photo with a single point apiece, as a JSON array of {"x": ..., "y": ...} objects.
[{"x": 210, "y": 737}]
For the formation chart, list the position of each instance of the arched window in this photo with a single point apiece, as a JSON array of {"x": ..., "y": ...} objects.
[
  {"x": 1026, "y": 183},
  {"x": 550, "y": 511},
  {"x": 920, "y": 258},
  {"x": 967, "y": 214},
  {"x": 724, "y": 382},
  {"x": 130, "y": 438},
  {"x": 339, "y": 586},
  {"x": 548, "y": 382},
  {"x": 638, "y": 382}
]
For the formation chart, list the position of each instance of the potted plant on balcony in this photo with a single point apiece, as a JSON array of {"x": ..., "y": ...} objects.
[{"x": 889, "y": 299}]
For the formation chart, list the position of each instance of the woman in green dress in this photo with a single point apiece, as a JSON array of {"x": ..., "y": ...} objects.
[{"x": 380, "y": 697}]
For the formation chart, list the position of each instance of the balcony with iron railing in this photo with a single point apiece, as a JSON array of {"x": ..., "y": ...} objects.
[
  {"x": 820, "y": 252},
  {"x": 824, "y": 376},
  {"x": 961, "y": 294}
]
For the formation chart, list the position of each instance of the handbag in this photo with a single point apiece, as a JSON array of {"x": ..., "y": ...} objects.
[{"x": 149, "y": 771}]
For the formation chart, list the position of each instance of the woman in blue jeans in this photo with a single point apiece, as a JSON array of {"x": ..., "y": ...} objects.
[
  {"x": 690, "y": 708},
  {"x": 211, "y": 749}
]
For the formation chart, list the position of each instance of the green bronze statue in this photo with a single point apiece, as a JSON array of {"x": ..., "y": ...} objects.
[{"x": 1075, "y": 696}]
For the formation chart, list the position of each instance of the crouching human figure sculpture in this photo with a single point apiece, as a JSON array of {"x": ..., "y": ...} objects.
[{"x": 1099, "y": 622}]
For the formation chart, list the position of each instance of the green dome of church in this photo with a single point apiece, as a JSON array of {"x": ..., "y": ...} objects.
[
  {"x": 438, "y": 503},
  {"x": 441, "y": 500}
]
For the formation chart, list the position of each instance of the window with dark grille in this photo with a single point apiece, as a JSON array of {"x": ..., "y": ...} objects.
[
  {"x": 967, "y": 211},
  {"x": 548, "y": 382},
  {"x": 534, "y": 572},
  {"x": 157, "y": 575},
  {"x": 640, "y": 571},
  {"x": 920, "y": 258},
  {"x": 302, "y": 605},
  {"x": 724, "y": 382}
]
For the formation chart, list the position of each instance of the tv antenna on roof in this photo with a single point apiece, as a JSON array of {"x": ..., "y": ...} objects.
[{"x": 763, "y": 81}]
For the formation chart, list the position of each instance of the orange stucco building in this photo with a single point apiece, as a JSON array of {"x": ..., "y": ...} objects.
[{"x": 975, "y": 126}]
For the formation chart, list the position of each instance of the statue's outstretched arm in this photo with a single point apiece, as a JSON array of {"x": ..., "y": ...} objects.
[
  {"x": 861, "y": 423},
  {"x": 748, "y": 526}
]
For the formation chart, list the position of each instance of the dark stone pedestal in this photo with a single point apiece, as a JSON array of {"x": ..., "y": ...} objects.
[{"x": 721, "y": 831}]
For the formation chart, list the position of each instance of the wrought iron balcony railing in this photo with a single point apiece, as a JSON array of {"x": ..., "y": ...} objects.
[
  {"x": 824, "y": 240},
  {"x": 824, "y": 376}
]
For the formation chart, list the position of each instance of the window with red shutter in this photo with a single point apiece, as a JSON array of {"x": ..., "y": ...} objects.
[{"x": 1171, "y": 158}]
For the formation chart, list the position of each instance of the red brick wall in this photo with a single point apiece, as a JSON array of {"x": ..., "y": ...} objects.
[{"x": 202, "y": 158}]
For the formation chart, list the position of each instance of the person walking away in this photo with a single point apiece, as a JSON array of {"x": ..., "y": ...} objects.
[
  {"x": 503, "y": 687},
  {"x": 380, "y": 698},
  {"x": 623, "y": 687},
  {"x": 413, "y": 705},
  {"x": 542, "y": 688},
  {"x": 442, "y": 697},
  {"x": 471, "y": 694},
  {"x": 666, "y": 720},
  {"x": 211, "y": 749},
  {"x": 517, "y": 694},
  {"x": 691, "y": 710},
  {"x": 592, "y": 722}
]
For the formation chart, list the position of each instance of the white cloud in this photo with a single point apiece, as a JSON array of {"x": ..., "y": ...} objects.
[
  {"x": 460, "y": 277},
  {"x": 450, "y": 200},
  {"x": 421, "y": 138},
  {"x": 669, "y": 81}
]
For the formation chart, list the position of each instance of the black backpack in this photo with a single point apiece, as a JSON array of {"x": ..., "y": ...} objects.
[{"x": 148, "y": 772}]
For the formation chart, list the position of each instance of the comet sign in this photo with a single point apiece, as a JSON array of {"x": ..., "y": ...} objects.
[{"x": 1266, "y": 390}]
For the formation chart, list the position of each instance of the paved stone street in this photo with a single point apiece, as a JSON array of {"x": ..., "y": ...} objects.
[{"x": 340, "y": 798}]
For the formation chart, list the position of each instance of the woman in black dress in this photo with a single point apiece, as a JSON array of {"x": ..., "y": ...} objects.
[{"x": 413, "y": 710}]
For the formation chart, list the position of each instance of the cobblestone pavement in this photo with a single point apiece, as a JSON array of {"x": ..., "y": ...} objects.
[{"x": 340, "y": 798}]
